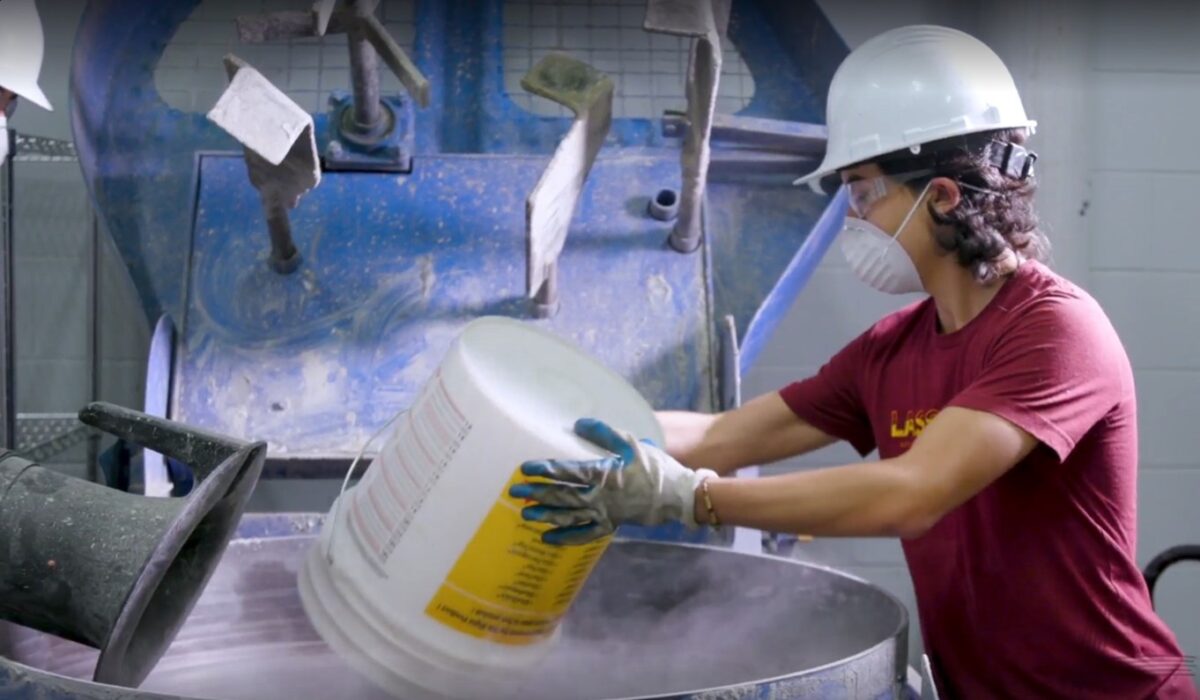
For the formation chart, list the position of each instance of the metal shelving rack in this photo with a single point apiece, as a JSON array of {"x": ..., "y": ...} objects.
[{"x": 42, "y": 436}]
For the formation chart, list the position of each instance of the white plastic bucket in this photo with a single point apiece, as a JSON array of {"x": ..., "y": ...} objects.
[{"x": 426, "y": 578}]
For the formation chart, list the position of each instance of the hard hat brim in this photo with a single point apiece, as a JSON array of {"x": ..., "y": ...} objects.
[
  {"x": 22, "y": 50},
  {"x": 34, "y": 94},
  {"x": 818, "y": 180}
]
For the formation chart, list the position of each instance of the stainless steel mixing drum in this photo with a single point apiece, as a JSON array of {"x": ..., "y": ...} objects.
[{"x": 654, "y": 621}]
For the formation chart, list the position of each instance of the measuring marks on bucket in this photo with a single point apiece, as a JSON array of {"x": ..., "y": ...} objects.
[{"x": 409, "y": 465}]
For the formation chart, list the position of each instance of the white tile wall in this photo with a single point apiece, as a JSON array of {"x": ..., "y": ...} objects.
[
  {"x": 1153, "y": 37},
  {"x": 1140, "y": 223},
  {"x": 1157, "y": 330},
  {"x": 649, "y": 69},
  {"x": 51, "y": 264},
  {"x": 1156, "y": 137},
  {"x": 1166, "y": 430},
  {"x": 1046, "y": 48},
  {"x": 846, "y": 304},
  {"x": 860, "y": 20},
  {"x": 191, "y": 75},
  {"x": 1145, "y": 75}
]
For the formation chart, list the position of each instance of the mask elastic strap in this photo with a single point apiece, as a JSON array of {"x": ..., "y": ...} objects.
[{"x": 912, "y": 211}]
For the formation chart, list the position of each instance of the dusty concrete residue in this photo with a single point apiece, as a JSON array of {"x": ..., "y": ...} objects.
[
  {"x": 427, "y": 274},
  {"x": 658, "y": 289},
  {"x": 307, "y": 386}
]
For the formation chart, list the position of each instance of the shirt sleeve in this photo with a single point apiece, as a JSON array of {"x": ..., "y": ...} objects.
[
  {"x": 1055, "y": 374},
  {"x": 832, "y": 400}
]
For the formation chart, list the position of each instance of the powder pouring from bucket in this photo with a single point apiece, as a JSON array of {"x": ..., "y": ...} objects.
[{"x": 427, "y": 580}]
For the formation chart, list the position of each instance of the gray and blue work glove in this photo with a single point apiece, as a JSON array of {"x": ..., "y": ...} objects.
[{"x": 588, "y": 499}]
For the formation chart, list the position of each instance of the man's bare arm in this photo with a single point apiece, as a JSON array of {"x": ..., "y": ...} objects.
[
  {"x": 762, "y": 431},
  {"x": 959, "y": 453}
]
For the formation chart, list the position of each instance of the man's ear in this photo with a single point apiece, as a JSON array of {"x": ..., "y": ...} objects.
[{"x": 944, "y": 195}]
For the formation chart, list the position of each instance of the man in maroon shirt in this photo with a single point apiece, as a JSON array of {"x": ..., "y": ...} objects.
[{"x": 1002, "y": 405}]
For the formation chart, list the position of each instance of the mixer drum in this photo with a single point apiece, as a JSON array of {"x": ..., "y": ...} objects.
[{"x": 655, "y": 620}]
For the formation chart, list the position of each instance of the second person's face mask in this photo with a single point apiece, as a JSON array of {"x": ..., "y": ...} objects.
[{"x": 878, "y": 258}]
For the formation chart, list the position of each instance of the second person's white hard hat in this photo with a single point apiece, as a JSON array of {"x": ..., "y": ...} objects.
[{"x": 21, "y": 50}]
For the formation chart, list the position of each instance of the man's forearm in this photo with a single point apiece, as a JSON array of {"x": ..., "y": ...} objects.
[
  {"x": 761, "y": 431},
  {"x": 695, "y": 439},
  {"x": 873, "y": 499}
]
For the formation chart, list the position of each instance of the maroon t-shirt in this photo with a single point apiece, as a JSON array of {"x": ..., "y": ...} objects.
[{"x": 1030, "y": 589}]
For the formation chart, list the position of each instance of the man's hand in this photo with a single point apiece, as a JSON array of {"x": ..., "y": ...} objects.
[{"x": 638, "y": 483}]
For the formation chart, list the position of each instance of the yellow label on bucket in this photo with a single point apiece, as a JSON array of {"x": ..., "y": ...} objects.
[{"x": 507, "y": 585}]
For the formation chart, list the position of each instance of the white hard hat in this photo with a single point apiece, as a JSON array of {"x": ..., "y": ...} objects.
[
  {"x": 911, "y": 86},
  {"x": 21, "y": 50}
]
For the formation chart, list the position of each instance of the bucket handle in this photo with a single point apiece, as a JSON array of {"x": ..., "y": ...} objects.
[{"x": 337, "y": 503}]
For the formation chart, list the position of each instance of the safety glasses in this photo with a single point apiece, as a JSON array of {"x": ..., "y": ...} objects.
[{"x": 865, "y": 192}]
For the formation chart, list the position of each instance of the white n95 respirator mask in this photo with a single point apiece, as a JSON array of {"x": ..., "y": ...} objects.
[{"x": 878, "y": 258}]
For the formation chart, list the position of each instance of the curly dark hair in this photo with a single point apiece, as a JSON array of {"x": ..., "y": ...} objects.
[{"x": 995, "y": 213}]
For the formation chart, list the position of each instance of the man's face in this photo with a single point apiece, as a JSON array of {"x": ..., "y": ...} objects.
[
  {"x": 882, "y": 200},
  {"x": 886, "y": 200}
]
